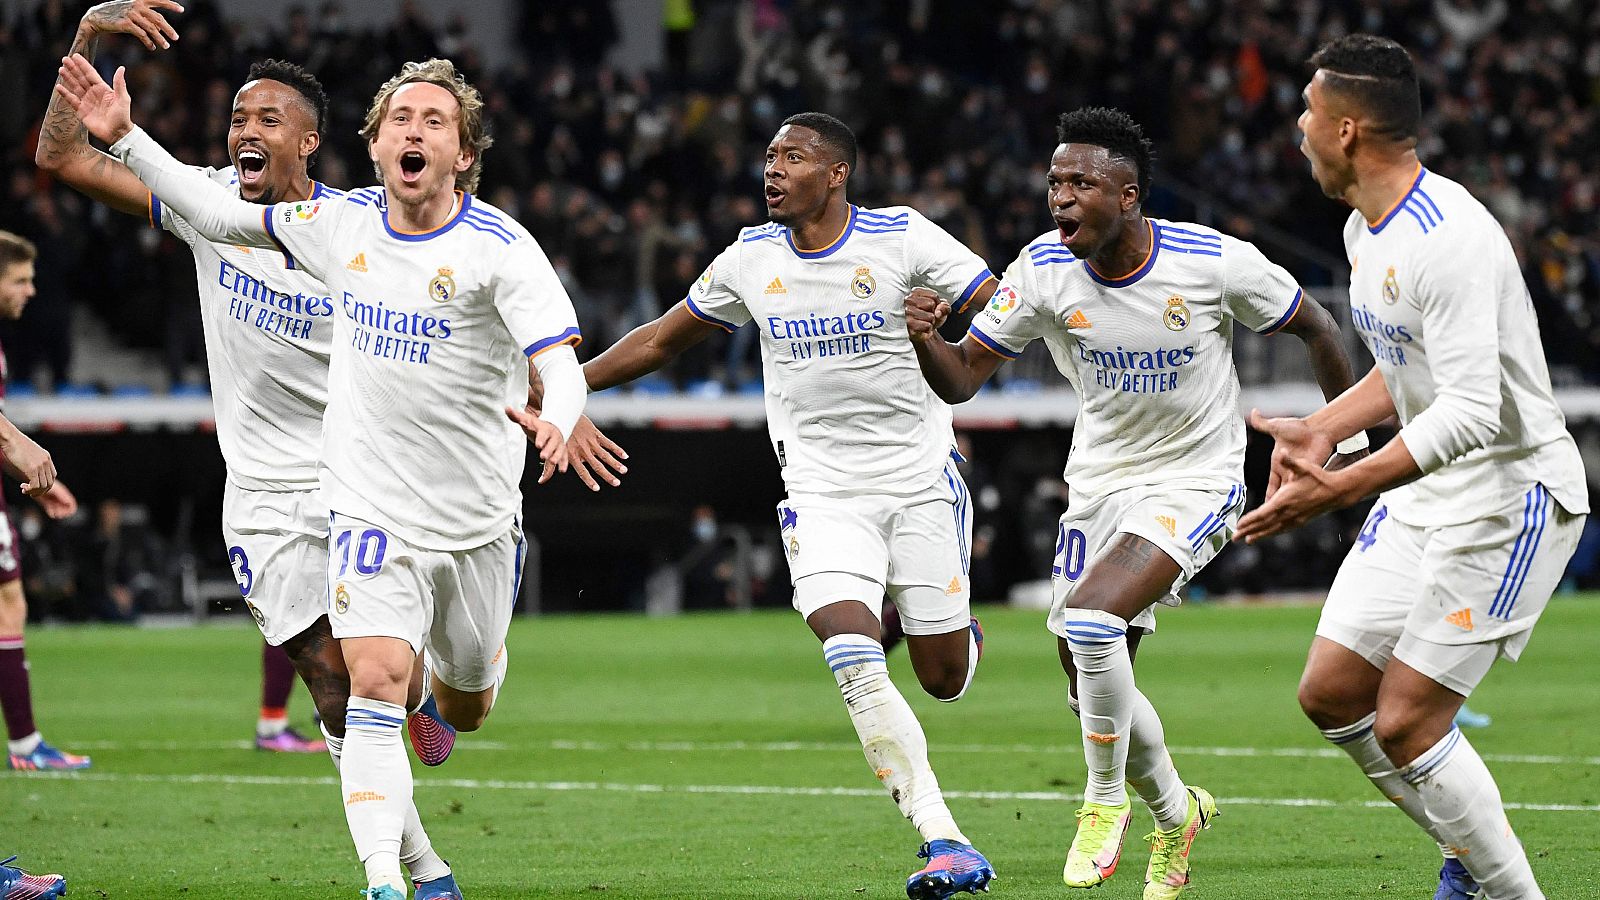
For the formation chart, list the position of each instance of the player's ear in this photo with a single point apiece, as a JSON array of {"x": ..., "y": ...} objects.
[
  {"x": 465, "y": 159},
  {"x": 309, "y": 142},
  {"x": 837, "y": 174},
  {"x": 1130, "y": 196}
]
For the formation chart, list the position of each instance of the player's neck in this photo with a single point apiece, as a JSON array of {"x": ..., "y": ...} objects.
[
  {"x": 425, "y": 215},
  {"x": 1127, "y": 253},
  {"x": 823, "y": 230},
  {"x": 1380, "y": 184},
  {"x": 299, "y": 188}
]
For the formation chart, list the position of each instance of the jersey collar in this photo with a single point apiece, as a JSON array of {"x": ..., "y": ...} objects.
[
  {"x": 1138, "y": 273},
  {"x": 829, "y": 250},
  {"x": 461, "y": 212},
  {"x": 1375, "y": 227}
]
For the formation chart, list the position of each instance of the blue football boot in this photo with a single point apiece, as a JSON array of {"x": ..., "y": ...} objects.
[
  {"x": 1456, "y": 883},
  {"x": 952, "y": 867},
  {"x": 16, "y": 884},
  {"x": 438, "y": 889}
]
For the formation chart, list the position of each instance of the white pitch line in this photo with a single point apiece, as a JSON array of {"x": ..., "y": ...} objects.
[
  {"x": 835, "y": 746},
  {"x": 481, "y": 784}
]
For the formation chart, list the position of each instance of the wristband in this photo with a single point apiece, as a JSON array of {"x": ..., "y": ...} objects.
[{"x": 1351, "y": 444}]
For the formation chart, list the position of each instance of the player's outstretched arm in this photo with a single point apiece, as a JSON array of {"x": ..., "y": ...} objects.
[
  {"x": 64, "y": 149},
  {"x": 105, "y": 109},
  {"x": 954, "y": 371},
  {"x": 647, "y": 348},
  {"x": 25, "y": 459}
]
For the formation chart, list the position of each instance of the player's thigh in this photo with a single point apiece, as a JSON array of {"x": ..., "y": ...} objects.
[
  {"x": 1377, "y": 586},
  {"x": 836, "y": 549},
  {"x": 378, "y": 584},
  {"x": 477, "y": 593},
  {"x": 1487, "y": 582},
  {"x": 1189, "y": 525},
  {"x": 930, "y": 550},
  {"x": 278, "y": 549}
]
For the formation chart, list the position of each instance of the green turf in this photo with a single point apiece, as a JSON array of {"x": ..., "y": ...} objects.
[{"x": 177, "y": 807}]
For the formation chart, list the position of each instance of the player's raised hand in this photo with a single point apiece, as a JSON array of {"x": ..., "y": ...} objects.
[
  {"x": 140, "y": 18},
  {"x": 925, "y": 312},
  {"x": 1291, "y": 437},
  {"x": 106, "y": 109},
  {"x": 58, "y": 502},
  {"x": 544, "y": 436},
  {"x": 589, "y": 449},
  {"x": 29, "y": 462}
]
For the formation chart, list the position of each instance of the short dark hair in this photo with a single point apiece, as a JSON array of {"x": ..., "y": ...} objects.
[
  {"x": 303, "y": 82},
  {"x": 14, "y": 248},
  {"x": 1114, "y": 130},
  {"x": 836, "y": 135},
  {"x": 1377, "y": 75}
]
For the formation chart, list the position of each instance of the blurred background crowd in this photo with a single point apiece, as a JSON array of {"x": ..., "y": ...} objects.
[{"x": 632, "y": 179}]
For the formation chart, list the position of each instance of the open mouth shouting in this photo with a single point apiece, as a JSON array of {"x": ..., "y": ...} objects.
[
  {"x": 1068, "y": 228},
  {"x": 774, "y": 196},
  {"x": 412, "y": 165},
  {"x": 251, "y": 164}
]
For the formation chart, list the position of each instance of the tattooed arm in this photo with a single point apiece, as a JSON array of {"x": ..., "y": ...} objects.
[{"x": 64, "y": 148}]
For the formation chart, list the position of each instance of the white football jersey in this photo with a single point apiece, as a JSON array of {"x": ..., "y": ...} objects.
[
  {"x": 1150, "y": 354},
  {"x": 432, "y": 335},
  {"x": 847, "y": 407},
  {"x": 1438, "y": 297},
  {"x": 268, "y": 329}
]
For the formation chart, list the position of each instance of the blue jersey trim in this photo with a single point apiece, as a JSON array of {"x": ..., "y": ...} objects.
[
  {"x": 972, "y": 289},
  {"x": 1144, "y": 267},
  {"x": 1401, "y": 204},
  {"x": 266, "y": 221},
  {"x": 991, "y": 344},
  {"x": 570, "y": 336},
  {"x": 828, "y": 250},
  {"x": 466, "y": 204},
  {"x": 709, "y": 319},
  {"x": 1294, "y": 307}
]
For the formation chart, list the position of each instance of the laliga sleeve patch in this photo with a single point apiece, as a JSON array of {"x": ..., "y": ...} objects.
[{"x": 300, "y": 213}]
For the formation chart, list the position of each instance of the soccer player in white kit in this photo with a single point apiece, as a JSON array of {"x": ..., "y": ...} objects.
[
  {"x": 866, "y": 451},
  {"x": 1481, "y": 496},
  {"x": 438, "y": 298},
  {"x": 1138, "y": 313},
  {"x": 268, "y": 331}
]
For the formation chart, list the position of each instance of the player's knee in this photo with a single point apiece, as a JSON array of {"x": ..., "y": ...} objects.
[
  {"x": 1327, "y": 706},
  {"x": 1401, "y": 735},
  {"x": 946, "y": 683}
]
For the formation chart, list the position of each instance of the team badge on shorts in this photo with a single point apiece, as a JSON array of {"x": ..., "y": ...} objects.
[
  {"x": 1176, "y": 318},
  {"x": 255, "y": 613},
  {"x": 341, "y": 599},
  {"x": 1391, "y": 288},
  {"x": 443, "y": 285},
  {"x": 788, "y": 520},
  {"x": 863, "y": 285}
]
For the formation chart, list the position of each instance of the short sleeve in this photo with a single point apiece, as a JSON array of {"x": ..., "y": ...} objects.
[
  {"x": 714, "y": 298},
  {"x": 1255, "y": 290},
  {"x": 943, "y": 264},
  {"x": 531, "y": 300},
  {"x": 303, "y": 230},
  {"x": 1015, "y": 314}
]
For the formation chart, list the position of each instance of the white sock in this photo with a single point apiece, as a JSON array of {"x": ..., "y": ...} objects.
[
  {"x": 26, "y": 745},
  {"x": 1105, "y": 697},
  {"x": 972, "y": 667},
  {"x": 416, "y": 849},
  {"x": 271, "y": 727},
  {"x": 1358, "y": 740},
  {"x": 890, "y": 734},
  {"x": 1150, "y": 770},
  {"x": 1463, "y": 803},
  {"x": 376, "y": 777}
]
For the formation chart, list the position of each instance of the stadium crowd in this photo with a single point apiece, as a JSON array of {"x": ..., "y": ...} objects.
[{"x": 632, "y": 181}]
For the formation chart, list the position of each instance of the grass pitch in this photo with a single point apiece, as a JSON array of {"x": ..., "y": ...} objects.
[{"x": 709, "y": 756}]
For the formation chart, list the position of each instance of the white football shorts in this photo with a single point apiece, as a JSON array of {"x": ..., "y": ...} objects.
[
  {"x": 1449, "y": 600},
  {"x": 457, "y": 603},
  {"x": 278, "y": 548},
  {"x": 1190, "y": 523},
  {"x": 914, "y": 548}
]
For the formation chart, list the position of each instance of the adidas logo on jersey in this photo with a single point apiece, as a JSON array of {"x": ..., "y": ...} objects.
[
  {"x": 359, "y": 264},
  {"x": 776, "y": 287},
  {"x": 954, "y": 588},
  {"x": 1461, "y": 618},
  {"x": 1078, "y": 320},
  {"x": 1169, "y": 523}
]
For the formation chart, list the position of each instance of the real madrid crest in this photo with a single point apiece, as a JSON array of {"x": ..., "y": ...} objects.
[
  {"x": 255, "y": 613},
  {"x": 863, "y": 285},
  {"x": 794, "y": 547},
  {"x": 341, "y": 599},
  {"x": 443, "y": 285},
  {"x": 1391, "y": 288},
  {"x": 1176, "y": 318}
]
